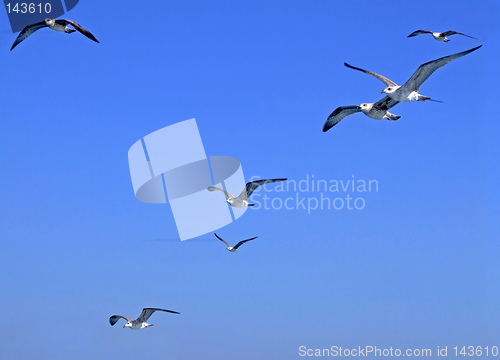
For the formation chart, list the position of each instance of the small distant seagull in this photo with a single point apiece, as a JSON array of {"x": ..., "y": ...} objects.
[
  {"x": 242, "y": 199},
  {"x": 234, "y": 248},
  {"x": 437, "y": 35},
  {"x": 57, "y": 25},
  {"x": 140, "y": 322},
  {"x": 409, "y": 91},
  {"x": 377, "y": 111}
]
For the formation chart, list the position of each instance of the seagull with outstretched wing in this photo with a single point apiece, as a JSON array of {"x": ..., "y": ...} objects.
[
  {"x": 395, "y": 93},
  {"x": 437, "y": 35},
  {"x": 140, "y": 322},
  {"x": 377, "y": 111},
  {"x": 409, "y": 91},
  {"x": 54, "y": 24},
  {"x": 235, "y": 247},
  {"x": 242, "y": 199}
]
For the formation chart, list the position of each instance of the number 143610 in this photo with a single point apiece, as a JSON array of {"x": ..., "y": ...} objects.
[{"x": 32, "y": 8}]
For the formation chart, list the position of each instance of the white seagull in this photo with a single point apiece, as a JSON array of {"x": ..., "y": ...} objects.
[
  {"x": 234, "y": 248},
  {"x": 377, "y": 111},
  {"x": 140, "y": 322},
  {"x": 437, "y": 35},
  {"x": 56, "y": 25},
  {"x": 242, "y": 199},
  {"x": 409, "y": 91}
]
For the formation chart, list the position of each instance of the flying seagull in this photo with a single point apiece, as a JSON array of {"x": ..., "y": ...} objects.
[
  {"x": 409, "y": 91},
  {"x": 57, "y": 25},
  {"x": 242, "y": 199},
  {"x": 396, "y": 94},
  {"x": 140, "y": 322},
  {"x": 234, "y": 248},
  {"x": 437, "y": 35},
  {"x": 377, "y": 111}
]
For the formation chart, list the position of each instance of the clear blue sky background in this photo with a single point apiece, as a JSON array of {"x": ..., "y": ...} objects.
[{"x": 418, "y": 267}]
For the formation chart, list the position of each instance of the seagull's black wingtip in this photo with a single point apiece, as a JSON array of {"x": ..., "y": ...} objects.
[{"x": 327, "y": 127}]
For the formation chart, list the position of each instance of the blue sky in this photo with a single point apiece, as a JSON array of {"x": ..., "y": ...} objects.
[{"x": 417, "y": 267}]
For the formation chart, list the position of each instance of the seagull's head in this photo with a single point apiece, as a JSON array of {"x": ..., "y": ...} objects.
[
  {"x": 49, "y": 21},
  {"x": 390, "y": 89},
  {"x": 365, "y": 106},
  {"x": 128, "y": 324},
  {"x": 229, "y": 201}
]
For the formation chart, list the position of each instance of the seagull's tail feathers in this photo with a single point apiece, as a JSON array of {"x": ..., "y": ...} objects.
[
  {"x": 393, "y": 117},
  {"x": 423, "y": 98},
  {"x": 69, "y": 31},
  {"x": 251, "y": 204},
  {"x": 439, "y": 101}
]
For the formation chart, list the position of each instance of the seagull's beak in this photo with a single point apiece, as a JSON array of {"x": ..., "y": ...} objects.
[
  {"x": 227, "y": 200},
  {"x": 124, "y": 326},
  {"x": 382, "y": 91}
]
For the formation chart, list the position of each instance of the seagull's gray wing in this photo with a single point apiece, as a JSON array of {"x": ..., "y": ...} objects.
[
  {"x": 224, "y": 241},
  {"x": 147, "y": 312},
  {"x": 338, "y": 114},
  {"x": 77, "y": 27},
  {"x": 242, "y": 242},
  {"x": 451, "y": 32},
  {"x": 378, "y": 76},
  {"x": 419, "y": 32},
  {"x": 215, "y": 188},
  {"x": 385, "y": 103},
  {"x": 113, "y": 319},
  {"x": 251, "y": 186},
  {"x": 27, "y": 31},
  {"x": 425, "y": 70}
]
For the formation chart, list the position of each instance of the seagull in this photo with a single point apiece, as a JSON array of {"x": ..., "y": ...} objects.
[
  {"x": 57, "y": 25},
  {"x": 437, "y": 35},
  {"x": 409, "y": 91},
  {"x": 140, "y": 323},
  {"x": 377, "y": 111},
  {"x": 242, "y": 199},
  {"x": 234, "y": 248}
]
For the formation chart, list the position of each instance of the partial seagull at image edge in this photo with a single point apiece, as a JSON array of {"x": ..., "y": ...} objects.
[{"x": 54, "y": 24}]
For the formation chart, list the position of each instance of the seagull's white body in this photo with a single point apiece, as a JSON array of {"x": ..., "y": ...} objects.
[
  {"x": 409, "y": 91},
  {"x": 51, "y": 23},
  {"x": 437, "y": 35},
  {"x": 440, "y": 37},
  {"x": 377, "y": 113},
  {"x": 242, "y": 199},
  {"x": 236, "y": 202},
  {"x": 137, "y": 326},
  {"x": 140, "y": 322},
  {"x": 403, "y": 96},
  {"x": 235, "y": 247}
]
